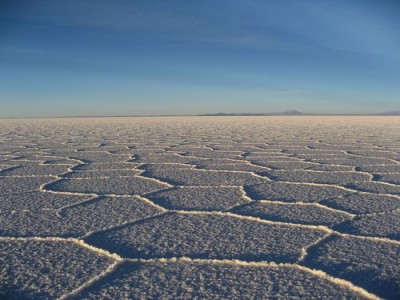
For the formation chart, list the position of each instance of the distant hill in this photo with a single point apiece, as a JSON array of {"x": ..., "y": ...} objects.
[
  {"x": 294, "y": 112},
  {"x": 285, "y": 113},
  {"x": 389, "y": 113}
]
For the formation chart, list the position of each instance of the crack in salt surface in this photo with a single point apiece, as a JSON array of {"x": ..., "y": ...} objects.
[
  {"x": 79, "y": 242},
  {"x": 298, "y": 203},
  {"x": 60, "y": 210},
  {"x": 122, "y": 225},
  {"x": 113, "y": 267},
  {"x": 305, "y": 250}
]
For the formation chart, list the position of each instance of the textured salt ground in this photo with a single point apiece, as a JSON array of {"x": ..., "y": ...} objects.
[
  {"x": 100, "y": 167},
  {"x": 313, "y": 152},
  {"x": 112, "y": 185},
  {"x": 199, "y": 198},
  {"x": 339, "y": 178},
  {"x": 235, "y": 147},
  {"x": 97, "y": 214},
  {"x": 233, "y": 167},
  {"x": 268, "y": 160},
  {"x": 31, "y": 164},
  {"x": 162, "y": 166},
  {"x": 16, "y": 185},
  {"x": 6, "y": 157},
  {"x": 218, "y": 164},
  {"x": 333, "y": 168},
  {"x": 37, "y": 170},
  {"x": 103, "y": 173},
  {"x": 211, "y": 162},
  {"x": 393, "y": 178},
  {"x": 34, "y": 201},
  {"x": 202, "y": 178},
  {"x": 206, "y": 236},
  {"x": 99, "y": 157},
  {"x": 363, "y": 203},
  {"x": 108, "y": 149},
  {"x": 31, "y": 157},
  {"x": 395, "y": 168},
  {"x": 268, "y": 155},
  {"x": 293, "y": 192},
  {"x": 376, "y": 153},
  {"x": 162, "y": 158},
  {"x": 354, "y": 161},
  {"x": 195, "y": 280},
  {"x": 296, "y": 165},
  {"x": 375, "y": 187},
  {"x": 214, "y": 154},
  {"x": 338, "y": 145},
  {"x": 308, "y": 214},
  {"x": 385, "y": 225},
  {"x": 59, "y": 161},
  {"x": 46, "y": 269},
  {"x": 368, "y": 264}
]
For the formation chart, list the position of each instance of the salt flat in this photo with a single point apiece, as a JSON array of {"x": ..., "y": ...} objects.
[{"x": 200, "y": 207}]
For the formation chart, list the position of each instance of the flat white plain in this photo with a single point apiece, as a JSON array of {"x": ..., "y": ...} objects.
[{"x": 200, "y": 207}]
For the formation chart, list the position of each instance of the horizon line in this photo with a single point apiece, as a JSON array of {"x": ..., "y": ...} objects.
[{"x": 293, "y": 113}]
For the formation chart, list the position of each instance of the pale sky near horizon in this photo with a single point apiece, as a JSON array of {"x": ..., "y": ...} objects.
[{"x": 98, "y": 57}]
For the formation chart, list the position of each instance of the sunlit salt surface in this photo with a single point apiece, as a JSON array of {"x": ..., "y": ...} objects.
[{"x": 206, "y": 207}]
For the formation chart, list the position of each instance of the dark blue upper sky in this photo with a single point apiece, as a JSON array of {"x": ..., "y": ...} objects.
[{"x": 96, "y": 57}]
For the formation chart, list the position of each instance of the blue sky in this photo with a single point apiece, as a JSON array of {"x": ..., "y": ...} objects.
[{"x": 96, "y": 57}]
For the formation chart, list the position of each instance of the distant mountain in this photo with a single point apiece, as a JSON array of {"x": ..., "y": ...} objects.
[
  {"x": 389, "y": 113},
  {"x": 291, "y": 112},
  {"x": 294, "y": 112},
  {"x": 233, "y": 114}
]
